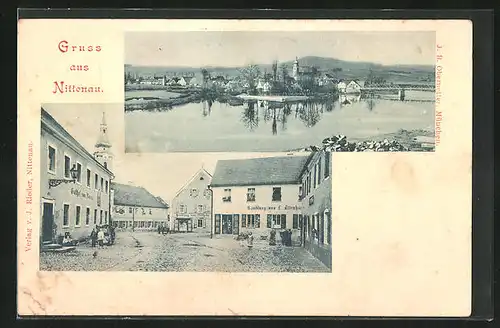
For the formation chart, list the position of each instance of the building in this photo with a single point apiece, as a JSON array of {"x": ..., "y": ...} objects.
[
  {"x": 354, "y": 86},
  {"x": 257, "y": 195},
  {"x": 317, "y": 207},
  {"x": 191, "y": 206},
  {"x": 341, "y": 86},
  {"x": 300, "y": 73},
  {"x": 75, "y": 185},
  {"x": 136, "y": 208}
]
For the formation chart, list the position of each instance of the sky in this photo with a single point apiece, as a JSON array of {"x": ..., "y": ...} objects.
[
  {"x": 230, "y": 48},
  {"x": 161, "y": 174}
]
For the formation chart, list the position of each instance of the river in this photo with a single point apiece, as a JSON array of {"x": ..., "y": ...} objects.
[{"x": 198, "y": 127}]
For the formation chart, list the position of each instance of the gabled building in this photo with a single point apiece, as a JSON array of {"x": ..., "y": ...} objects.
[
  {"x": 354, "y": 86},
  {"x": 257, "y": 194},
  {"x": 75, "y": 185},
  {"x": 191, "y": 205},
  {"x": 136, "y": 208}
]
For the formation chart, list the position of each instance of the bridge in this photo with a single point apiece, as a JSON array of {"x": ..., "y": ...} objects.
[{"x": 400, "y": 89}]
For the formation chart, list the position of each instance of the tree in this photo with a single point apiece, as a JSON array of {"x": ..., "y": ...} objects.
[
  {"x": 275, "y": 70},
  {"x": 249, "y": 75},
  {"x": 284, "y": 72}
]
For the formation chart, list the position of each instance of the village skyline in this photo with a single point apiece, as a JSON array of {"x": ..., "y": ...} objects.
[{"x": 237, "y": 49}]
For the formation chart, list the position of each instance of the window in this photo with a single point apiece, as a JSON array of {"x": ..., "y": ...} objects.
[
  {"x": 276, "y": 221},
  {"x": 309, "y": 183},
  {"x": 96, "y": 181},
  {"x": 277, "y": 194},
  {"x": 207, "y": 193},
  {"x": 227, "y": 195},
  {"x": 327, "y": 164},
  {"x": 243, "y": 220},
  {"x": 87, "y": 216},
  {"x": 182, "y": 208},
  {"x": 193, "y": 192},
  {"x": 67, "y": 166},
  {"x": 100, "y": 218},
  {"x": 95, "y": 216},
  {"x": 66, "y": 215},
  {"x": 77, "y": 215},
  {"x": 200, "y": 223},
  {"x": 130, "y": 209},
  {"x": 106, "y": 186},
  {"x": 105, "y": 217},
  {"x": 88, "y": 177},
  {"x": 150, "y": 213},
  {"x": 251, "y": 195},
  {"x": 328, "y": 229},
  {"x": 52, "y": 159},
  {"x": 252, "y": 221},
  {"x": 200, "y": 208},
  {"x": 78, "y": 172},
  {"x": 102, "y": 184},
  {"x": 319, "y": 171},
  {"x": 295, "y": 224},
  {"x": 315, "y": 176},
  {"x": 300, "y": 192}
]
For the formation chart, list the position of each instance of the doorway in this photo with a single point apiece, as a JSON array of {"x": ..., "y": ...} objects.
[
  {"x": 47, "y": 221},
  {"x": 227, "y": 224}
]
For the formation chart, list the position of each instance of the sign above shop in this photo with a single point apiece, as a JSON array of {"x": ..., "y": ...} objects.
[
  {"x": 82, "y": 194},
  {"x": 274, "y": 208}
]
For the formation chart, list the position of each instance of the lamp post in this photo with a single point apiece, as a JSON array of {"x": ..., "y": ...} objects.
[
  {"x": 212, "y": 221},
  {"x": 73, "y": 173}
]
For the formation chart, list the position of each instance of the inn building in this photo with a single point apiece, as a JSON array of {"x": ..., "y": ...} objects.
[
  {"x": 135, "y": 208},
  {"x": 258, "y": 194},
  {"x": 75, "y": 184}
]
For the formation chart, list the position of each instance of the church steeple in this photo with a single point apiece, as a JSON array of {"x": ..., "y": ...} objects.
[{"x": 102, "y": 147}]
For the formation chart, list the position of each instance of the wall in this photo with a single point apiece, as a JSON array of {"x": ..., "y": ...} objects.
[
  {"x": 201, "y": 197},
  {"x": 125, "y": 213},
  {"x": 318, "y": 204},
  {"x": 72, "y": 194},
  {"x": 263, "y": 205}
]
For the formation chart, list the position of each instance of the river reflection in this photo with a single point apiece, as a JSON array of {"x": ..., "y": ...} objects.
[{"x": 227, "y": 125}]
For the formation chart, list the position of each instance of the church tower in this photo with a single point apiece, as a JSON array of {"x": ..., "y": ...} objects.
[
  {"x": 102, "y": 147},
  {"x": 295, "y": 69}
]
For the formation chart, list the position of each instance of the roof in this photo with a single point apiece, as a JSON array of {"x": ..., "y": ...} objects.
[
  {"x": 259, "y": 171},
  {"x": 50, "y": 123},
  {"x": 202, "y": 170},
  {"x": 134, "y": 196}
]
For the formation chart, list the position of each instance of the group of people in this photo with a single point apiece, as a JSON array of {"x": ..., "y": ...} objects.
[
  {"x": 104, "y": 235},
  {"x": 162, "y": 229}
]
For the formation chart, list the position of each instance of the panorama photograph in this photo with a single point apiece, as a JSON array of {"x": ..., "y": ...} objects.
[{"x": 238, "y": 91}]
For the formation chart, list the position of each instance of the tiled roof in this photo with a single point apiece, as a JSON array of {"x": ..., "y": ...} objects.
[
  {"x": 259, "y": 171},
  {"x": 134, "y": 196}
]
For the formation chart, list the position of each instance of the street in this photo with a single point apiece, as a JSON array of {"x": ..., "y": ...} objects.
[{"x": 149, "y": 251}]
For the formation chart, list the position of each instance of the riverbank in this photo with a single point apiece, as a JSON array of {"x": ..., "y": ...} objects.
[{"x": 399, "y": 141}]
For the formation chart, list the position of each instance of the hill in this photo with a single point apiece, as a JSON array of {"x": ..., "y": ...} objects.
[{"x": 343, "y": 69}]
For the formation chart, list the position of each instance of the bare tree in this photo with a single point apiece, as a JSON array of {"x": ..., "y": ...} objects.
[{"x": 249, "y": 75}]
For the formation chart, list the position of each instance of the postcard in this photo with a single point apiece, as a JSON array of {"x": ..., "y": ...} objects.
[{"x": 244, "y": 167}]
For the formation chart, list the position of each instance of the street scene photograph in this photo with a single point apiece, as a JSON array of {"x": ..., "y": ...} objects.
[
  {"x": 251, "y": 91},
  {"x": 103, "y": 210}
]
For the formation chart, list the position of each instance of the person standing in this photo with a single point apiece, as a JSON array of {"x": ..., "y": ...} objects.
[
  {"x": 93, "y": 237},
  {"x": 100, "y": 238},
  {"x": 250, "y": 240}
]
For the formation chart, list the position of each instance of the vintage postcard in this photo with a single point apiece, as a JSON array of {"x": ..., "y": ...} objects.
[{"x": 244, "y": 167}]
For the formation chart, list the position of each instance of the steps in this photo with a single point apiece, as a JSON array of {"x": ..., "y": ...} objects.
[{"x": 50, "y": 247}]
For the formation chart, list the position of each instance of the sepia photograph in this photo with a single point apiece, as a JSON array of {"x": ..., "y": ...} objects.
[
  {"x": 255, "y": 91},
  {"x": 235, "y": 214}
]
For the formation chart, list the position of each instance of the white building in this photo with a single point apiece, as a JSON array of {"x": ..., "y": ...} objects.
[
  {"x": 341, "y": 86},
  {"x": 75, "y": 193},
  {"x": 354, "y": 86},
  {"x": 135, "y": 207},
  {"x": 257, "y": 194},
  {"x": 191, "y": 205}
]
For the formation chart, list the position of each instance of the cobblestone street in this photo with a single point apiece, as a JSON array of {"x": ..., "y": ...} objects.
[{"x": 149, "y": 251}]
